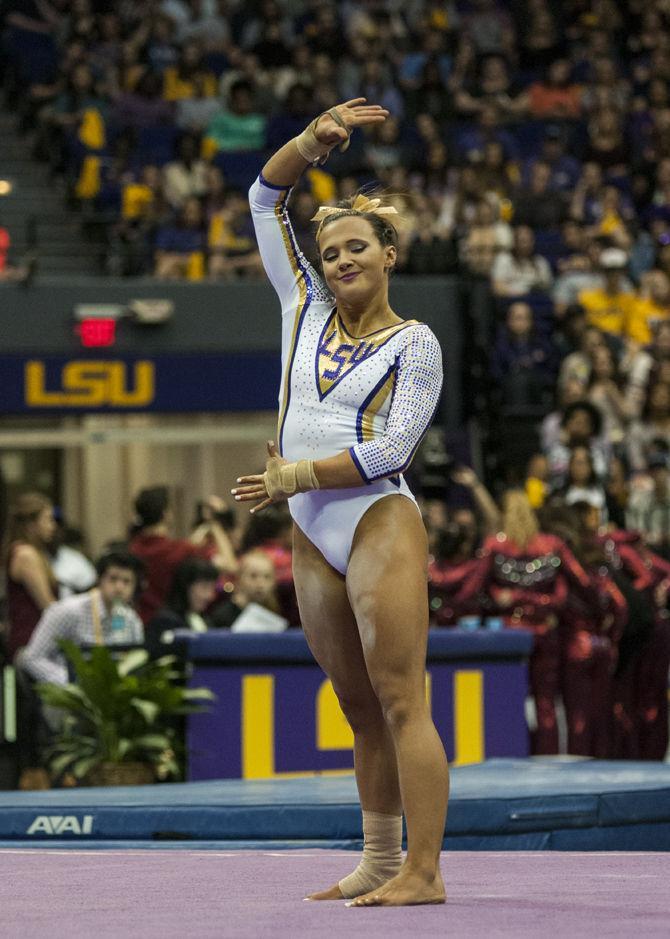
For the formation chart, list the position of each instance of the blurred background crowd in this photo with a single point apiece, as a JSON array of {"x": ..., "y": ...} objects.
[
  {"x": 524, "y": 135},
  {"x": 529, "y": 151}
]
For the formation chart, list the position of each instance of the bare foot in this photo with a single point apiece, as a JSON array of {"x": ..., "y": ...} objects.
[
  {"x": 405, "y": 889},
  {"x": 333, "y": 893}
]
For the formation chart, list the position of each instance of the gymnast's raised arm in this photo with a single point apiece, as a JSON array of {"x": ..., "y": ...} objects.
[{"x": 284, "y": 263}]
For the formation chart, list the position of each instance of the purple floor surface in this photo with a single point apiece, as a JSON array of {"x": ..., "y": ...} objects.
[{"x": 250, "y": 895}]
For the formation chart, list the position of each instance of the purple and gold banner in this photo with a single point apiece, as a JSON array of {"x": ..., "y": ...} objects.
[
  {"x": 281, "y": 718},
  {"x": 103, "y": 381}
]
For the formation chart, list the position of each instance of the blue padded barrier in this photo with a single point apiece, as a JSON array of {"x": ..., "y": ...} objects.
[
  {"x": 499, "y": 805},
  {"x": 291, "y": 646}
]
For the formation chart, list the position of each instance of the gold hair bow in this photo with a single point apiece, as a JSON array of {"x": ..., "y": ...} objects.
[{"x": 360, "y": 204}]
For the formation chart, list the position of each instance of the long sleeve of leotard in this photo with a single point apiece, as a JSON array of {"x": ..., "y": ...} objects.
[
  {"x": 292, "y": 276},
  {"x": 418, "y": 382}
]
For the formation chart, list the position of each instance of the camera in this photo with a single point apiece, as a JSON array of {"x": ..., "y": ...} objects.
[{"x": 205, "y": 514}]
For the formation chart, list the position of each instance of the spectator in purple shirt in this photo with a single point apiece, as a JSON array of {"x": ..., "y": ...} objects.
[
  {"x": 522, "y": 362},
  {"x": 144, "y": 107},
  {"x": 176, "y": 244}
]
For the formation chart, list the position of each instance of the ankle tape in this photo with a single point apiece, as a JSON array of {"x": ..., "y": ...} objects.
[{"x": 382, "y": 854}]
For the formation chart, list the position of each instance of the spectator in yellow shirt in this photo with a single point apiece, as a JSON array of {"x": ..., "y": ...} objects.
[
  {"x": 190, "y": 78},
  {"x": 650, "y": 308},
  {"x": 609, "y": 307}
]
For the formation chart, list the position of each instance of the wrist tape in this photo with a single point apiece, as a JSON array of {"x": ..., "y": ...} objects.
[
  {"x": 313, "y": 150},
  {"x": 285, "y": 479}
]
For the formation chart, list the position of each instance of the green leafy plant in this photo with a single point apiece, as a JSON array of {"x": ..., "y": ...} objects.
[{"x": 119, "y": 711}]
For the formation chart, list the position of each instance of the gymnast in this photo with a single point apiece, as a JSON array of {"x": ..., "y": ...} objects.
[{"x": 359, "y": 389}]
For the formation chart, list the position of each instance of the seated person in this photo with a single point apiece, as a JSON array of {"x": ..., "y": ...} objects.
[
  {"x": 190, "y": 77},
  {"x": 608, "y": 307},
  {"x": 238, "y": 126},
  {"x": 520, "y": 271},
  {"x": 649, "y": 508},
  {"x": 487, "y": 238},
  {"x": 651, "y": 308},
  {"x": 193, "y": 589},
  {"x": 581, "y": 483},
  {"x": 556, "y": 96},
  {"x": 102, "y": 616},
  {"x": 538, "y": 204},
  {"x": 180, "y": 247},
  {"x": 256, "y": 583},
  {"x": 522, "y": 361},
  {"x": 581, "y": 424}
]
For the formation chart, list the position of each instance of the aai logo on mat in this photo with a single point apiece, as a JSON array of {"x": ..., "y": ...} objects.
[{"x": 61, "y": 825}]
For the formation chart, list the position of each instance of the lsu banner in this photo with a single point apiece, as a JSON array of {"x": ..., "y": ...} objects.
[
  {"x": 164, "y": 383},
  {"x": 278, "y": 721}
]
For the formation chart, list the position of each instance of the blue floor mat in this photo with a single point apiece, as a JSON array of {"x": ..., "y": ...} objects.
[{"x": 501, "y": 804}]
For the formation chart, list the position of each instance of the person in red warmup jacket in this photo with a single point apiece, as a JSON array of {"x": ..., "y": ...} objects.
[
  {"x": 524, "y": 576},
  {"x": 591, "y": 627},
  {"x": 641, "y": 684},
  {"x": 160, "y": 553}
]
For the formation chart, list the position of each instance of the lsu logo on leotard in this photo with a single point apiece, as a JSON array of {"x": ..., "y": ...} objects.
[
  {"x": 338, "y": 353},
  {"x": 336, "y": 359}
]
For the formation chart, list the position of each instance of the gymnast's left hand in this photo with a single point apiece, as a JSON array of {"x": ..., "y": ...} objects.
[{"x": 280, "y": 481}]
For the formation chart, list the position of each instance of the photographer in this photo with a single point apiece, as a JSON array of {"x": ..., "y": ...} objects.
[
  {"x": 485, "y": 513},
  {"x": 453, "y": 546},
  {"x": 215, "y": 526},
  {"x": 451, "y": 562}
]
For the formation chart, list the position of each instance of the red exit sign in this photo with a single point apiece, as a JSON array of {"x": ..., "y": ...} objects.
[{"x": 97, "y": 332}]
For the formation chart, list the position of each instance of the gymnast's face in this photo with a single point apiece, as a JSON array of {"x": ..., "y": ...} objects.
[{"x": 355, "y": 263}]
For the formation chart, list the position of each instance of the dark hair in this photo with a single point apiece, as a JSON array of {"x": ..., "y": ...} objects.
[
  {"x": 617, "y": 377},
  {"x": 569, "y": 523},
  {"x": 574, "y": 311},
  {"x": 23, "y": 511},
  {"x": 265, "y": 526},
  {"x": 240, "y": 84},
  {"x": 593, "y": 478},
  {"x": 558, "y": 518},
  {"x": 646, "y": 407},
  {"x": 387, "y": 234},
  {"x": 591, "y": 410},
  {"x": 123, "y": 559},
  {"x": 186, "y": 574},
  {"x": 450, "y": 542},
  {"x": 151, "y": 505}
]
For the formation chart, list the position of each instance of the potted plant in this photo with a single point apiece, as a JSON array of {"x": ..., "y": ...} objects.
[{"x": 120, "y": 722}]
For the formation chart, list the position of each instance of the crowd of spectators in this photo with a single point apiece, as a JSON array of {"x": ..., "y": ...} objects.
[
  {"x": 508, "y": 120},
  {"x": 528, "y": 149},
  {"x": 567, "y": 562},
  {"x": 143, "y": 588}
]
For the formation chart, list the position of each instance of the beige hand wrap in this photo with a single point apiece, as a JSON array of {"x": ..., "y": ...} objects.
[
  {"x": 285, "y": 479},
  {"x": 382, "y": 855},
  {"x": 314, "y": 150}
]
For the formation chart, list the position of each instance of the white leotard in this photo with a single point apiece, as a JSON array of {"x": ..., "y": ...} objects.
[{"x": 374, "y": 396}]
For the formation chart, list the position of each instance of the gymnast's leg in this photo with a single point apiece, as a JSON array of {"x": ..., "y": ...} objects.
[
  {"x": 386, "y": 582},
  {"x": 332, "y": 635}
]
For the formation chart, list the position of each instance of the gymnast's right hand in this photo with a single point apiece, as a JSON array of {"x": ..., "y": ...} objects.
[
  {"x": 280, "y": 481},
  {"x": 333, "y": 129},
  {"x": 335, "y": 126}
]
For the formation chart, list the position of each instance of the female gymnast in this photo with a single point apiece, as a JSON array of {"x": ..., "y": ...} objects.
[{"x": 360, "y": 386}]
